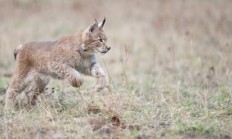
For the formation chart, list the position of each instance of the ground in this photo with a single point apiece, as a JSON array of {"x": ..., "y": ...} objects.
[{"x": 170, "y": 69}]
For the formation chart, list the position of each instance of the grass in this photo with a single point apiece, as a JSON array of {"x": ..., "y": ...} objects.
[{"x": 169, "y": 67}]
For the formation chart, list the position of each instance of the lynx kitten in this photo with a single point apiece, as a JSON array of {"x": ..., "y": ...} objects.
[{"x": 66, "y": 58}]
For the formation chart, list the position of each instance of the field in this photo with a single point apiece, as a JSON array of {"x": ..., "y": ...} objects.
[{"x": 170, "y": 68}]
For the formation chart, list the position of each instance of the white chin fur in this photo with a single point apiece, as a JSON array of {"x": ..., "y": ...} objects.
[{"x": 83, "y": 47}]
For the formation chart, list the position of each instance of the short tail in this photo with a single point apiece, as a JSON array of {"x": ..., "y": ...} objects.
[
  {"x": 15, "y": 54},
  {"x": 16, "y": 51}
]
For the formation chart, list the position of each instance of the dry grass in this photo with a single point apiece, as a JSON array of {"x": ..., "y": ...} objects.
[{"x": 170, "y": 68}]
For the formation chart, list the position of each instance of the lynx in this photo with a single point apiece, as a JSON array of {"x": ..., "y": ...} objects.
[{"x": 66, "y": 58}]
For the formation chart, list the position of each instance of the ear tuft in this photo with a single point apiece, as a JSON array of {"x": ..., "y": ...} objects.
[
  {"x": 102, "y": 23},
  {"x": 96, "y": 20}
]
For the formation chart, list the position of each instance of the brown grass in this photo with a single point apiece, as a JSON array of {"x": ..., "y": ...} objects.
[{"x": 170, "y": 69}]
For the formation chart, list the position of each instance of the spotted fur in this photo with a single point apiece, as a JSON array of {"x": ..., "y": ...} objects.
[{"x": 66, "y": 58}]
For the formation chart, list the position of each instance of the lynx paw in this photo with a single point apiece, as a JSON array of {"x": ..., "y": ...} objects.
[{"x": 76, "y": 82}]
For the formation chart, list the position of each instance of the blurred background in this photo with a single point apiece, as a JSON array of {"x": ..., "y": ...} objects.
[{"x": 153, "y": 41}]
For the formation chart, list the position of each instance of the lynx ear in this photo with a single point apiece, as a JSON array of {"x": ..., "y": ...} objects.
[
  {"x": 93, "y": 27},
  {"x": 100, "y": 25}
]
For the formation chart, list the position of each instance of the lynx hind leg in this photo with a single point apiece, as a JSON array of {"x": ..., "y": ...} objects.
[
  {"x": 37, "y": 87},
  {"x": 18, "y": 84},
  {"x": 40, "y": 82}
]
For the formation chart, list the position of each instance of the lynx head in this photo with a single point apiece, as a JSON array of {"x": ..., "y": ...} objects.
[{"x": 94, "y": 38}]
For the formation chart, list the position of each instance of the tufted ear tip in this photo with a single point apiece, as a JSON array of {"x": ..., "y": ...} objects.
[
  {"x": 96, "y": 21},
  {"x": 96, "y": 25},
  {"x": 102, "y": 23}
]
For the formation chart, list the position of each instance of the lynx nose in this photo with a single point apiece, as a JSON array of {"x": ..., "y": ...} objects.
[{"x": 108, "y": 48}]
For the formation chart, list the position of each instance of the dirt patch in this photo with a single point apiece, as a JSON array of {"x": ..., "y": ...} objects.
[{"x": 113, "y": 124}]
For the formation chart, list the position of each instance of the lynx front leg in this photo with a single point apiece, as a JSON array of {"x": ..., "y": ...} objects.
[
  {"x": 102, "y": 80},
  {"x": 66, "y": 72}
]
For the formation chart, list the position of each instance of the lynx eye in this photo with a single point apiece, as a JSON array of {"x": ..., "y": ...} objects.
[{"x": 100, "y": 40}]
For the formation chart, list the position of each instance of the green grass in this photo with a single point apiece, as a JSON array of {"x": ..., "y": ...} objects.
[{"x": 159, "y": 113}]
